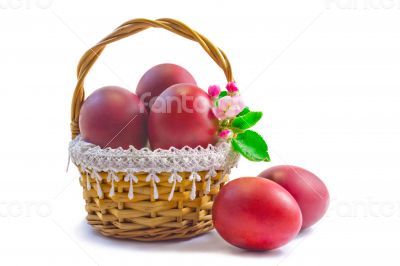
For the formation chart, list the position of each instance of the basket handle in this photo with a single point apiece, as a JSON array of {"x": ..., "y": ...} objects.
[{"x": 129, "y": 28}]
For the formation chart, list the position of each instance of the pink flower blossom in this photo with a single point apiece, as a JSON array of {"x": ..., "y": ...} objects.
[
  {"x": 228, "y": 107},
  {"x": 214, "y": 91},
  {"x": 219, "y": 113},
  {"x": 231, "y": 87},
  {"x": 225, "y": 134}
]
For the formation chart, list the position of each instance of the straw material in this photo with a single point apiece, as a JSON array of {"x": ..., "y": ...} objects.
[
  {"x": 146, "y": 219},
  {"x": 143, "y": 217}
]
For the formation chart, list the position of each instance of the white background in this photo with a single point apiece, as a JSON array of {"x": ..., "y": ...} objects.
[{"x": 325, "y": 73}]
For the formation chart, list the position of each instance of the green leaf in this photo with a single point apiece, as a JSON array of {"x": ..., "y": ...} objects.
[
  {"x": 267, "y": 159},
  {"x": 252, "y": 146},
  {"x": 222, "y": 94},
  {"x": 244, "y": 111},
  {"x": 247, "y": 120}
]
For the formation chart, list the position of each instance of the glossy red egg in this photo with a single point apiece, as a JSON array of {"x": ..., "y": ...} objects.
[
  {"x": 158, "y": 78},
  {"x": 182, "y": 116},
  {"x": 113, "y": 117},
  {"x": 256, "y": 214},
  {"x": 309, "y": 191}
]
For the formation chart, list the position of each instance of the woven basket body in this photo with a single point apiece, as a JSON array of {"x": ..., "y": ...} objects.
[
  {"x": 146, "y": 219},
  {"x": 159, "y": 210}
]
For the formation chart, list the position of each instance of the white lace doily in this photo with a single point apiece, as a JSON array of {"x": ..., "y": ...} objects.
[{"x": 93, "y": 159}]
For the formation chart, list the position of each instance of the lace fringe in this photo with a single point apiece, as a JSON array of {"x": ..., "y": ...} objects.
[{"x": 152, "y": 178}]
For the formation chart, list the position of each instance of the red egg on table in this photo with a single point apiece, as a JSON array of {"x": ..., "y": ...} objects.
[
  {"x": 309, "y": 191},
  {"x": 256, "y": 214}
]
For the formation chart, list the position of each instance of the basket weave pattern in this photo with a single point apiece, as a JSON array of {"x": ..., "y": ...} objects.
[{"x": 148, "y": 217}]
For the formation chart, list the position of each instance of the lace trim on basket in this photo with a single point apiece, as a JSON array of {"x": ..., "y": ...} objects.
[{"x": 92, "y": 159}]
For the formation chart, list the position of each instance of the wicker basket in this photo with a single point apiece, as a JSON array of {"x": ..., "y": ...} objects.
[{"x": 111, "y": 208}]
